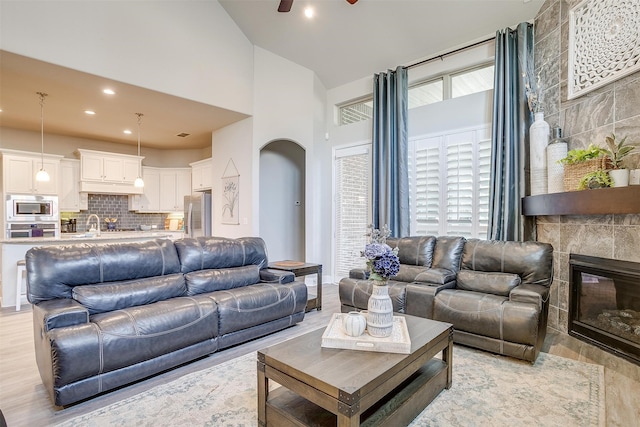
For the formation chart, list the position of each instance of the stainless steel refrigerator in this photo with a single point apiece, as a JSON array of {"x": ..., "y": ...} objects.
[{"x": 197, "y": 214}]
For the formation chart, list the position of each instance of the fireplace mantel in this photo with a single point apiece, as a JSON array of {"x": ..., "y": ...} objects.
[{"x": 618, "y": 200}]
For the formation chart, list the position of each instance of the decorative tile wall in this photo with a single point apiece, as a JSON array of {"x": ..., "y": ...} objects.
[
  {"x": 588, "y": 119},
  {"x": 115, "y": 206}
]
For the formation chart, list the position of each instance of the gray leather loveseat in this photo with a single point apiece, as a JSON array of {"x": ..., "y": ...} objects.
[
  {"x": 495, "y": 293},
  {"x": 108, "y": 315}
]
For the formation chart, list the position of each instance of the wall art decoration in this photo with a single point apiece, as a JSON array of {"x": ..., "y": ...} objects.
[
  {"x": 604, "y": 43},
  {"x": 230, "y": 194}
]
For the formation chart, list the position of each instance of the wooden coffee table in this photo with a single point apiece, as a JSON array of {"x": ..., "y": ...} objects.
[{"x": 335, "y": 387}]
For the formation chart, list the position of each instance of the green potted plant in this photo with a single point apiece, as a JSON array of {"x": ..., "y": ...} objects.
[
  {"x": 580, "y": 155},
  {"x": 597, "y": 179},
  {"x": 580, "y": 162},
  {"x": 616, "y": 152}
]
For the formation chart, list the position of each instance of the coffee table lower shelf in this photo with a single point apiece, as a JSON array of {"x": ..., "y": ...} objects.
[{"x": 285, "y": 408}]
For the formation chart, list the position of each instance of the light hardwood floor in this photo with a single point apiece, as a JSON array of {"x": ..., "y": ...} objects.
[{"x": 24, "y": 401}]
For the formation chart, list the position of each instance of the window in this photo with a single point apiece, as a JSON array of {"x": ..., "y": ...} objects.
[
  {"x": 449, "y": 183},
  {"x": 356, "y": 112},
  {"x": 472, "y": 81},
  {"x": 426, "y": 93},
  {"x": 447, "y": 86},
  {"x": 352, "y": 189}
]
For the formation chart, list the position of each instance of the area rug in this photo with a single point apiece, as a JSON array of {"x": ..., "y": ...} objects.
[{"x": 487, "y": 390}]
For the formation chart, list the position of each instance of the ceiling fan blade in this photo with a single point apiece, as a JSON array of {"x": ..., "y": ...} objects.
[
  {"x": 352, "y": 1},
  {"x": 285, "y": 5}
]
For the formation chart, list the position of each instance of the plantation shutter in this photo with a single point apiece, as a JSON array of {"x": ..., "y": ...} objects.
[
  {"x": 427, "y": 184},
  {"x": 450, "y": 183},
  {"x": 460, "y": 191}
]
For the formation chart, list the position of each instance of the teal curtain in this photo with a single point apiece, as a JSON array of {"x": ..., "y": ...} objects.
[
  {"x": 390, "y": 192},
  {"x": 510, "y": 135}
]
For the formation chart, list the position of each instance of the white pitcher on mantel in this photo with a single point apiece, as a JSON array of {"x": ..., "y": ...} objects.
[{"x": 538, "y": 140}]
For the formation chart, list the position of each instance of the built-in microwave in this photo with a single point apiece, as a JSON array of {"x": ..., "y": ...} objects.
[{"x": 31, "y": 208}]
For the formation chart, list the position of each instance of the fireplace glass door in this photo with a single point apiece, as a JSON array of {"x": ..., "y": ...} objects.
[{"x": 605, "y": 304}]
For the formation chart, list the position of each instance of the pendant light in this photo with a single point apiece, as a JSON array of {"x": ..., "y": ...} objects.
[
  {"x": 42, "y": 175},
  {"x": 139, "y": 182}
]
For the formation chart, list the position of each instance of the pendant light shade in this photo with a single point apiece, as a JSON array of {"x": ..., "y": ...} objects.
[
  {"x": 139, "y": 183},
  {"x": 42, "y": 175}
]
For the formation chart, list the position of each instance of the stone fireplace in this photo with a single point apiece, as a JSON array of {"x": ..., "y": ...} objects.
[
  {"x": 613, "y": 108},
  {"x": 604, "y": 304}
]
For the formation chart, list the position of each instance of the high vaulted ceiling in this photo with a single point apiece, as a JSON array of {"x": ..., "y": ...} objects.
[
  {"x": 345, "y": 42},
  {"x": 342, "y": 43}
]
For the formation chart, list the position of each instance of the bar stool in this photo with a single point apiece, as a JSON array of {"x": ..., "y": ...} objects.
[{"x": 22, "y": 270}]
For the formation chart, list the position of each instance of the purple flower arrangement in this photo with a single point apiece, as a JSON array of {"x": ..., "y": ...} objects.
[{"x": 382, "y": 261}]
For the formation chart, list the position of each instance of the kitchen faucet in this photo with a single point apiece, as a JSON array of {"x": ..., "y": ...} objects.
[{"x": 97, "y": 224}]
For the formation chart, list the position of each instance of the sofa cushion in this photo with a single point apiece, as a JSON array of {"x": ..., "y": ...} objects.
[
  {"x": 122, "y": 338},
  {"x": 248, "y": 306},
  {"x": 409, "y": 273},
  {"x": 53, "y": 271},
  {"x": 218, "y": 252},
  {"x": 532, "y": 261},
  {"x": 414, "y": 250},
  {"x": 473, "y": 312},
  {"x": 489, "y": 283},
  {"x": 448, "y": 252},
  {"x": 436, "y": 276},
  {"x": 118, "y": 295},
  {"x": 356, "y": 293},
  {"x": 219, "y": 279}
]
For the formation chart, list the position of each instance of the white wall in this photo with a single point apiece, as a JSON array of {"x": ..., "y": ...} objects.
[
  {"x": 191, "y": 49},
  {"x": 284, "y": 108},
  {"x": 66, "y": 146},
  {"x": 234, "y": 142}
]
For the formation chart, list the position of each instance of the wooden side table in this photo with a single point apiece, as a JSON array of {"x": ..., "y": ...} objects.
[{"x": 303, "y": 269}]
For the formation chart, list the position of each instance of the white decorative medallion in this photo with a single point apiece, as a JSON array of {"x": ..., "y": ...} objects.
[{"x": 604, "y": 43}]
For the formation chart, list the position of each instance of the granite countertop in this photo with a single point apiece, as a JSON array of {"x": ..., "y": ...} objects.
[{"x": 106, "y": 236}]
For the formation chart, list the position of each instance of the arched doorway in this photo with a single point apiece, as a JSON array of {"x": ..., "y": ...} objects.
[{"x": 282, "y": 200}]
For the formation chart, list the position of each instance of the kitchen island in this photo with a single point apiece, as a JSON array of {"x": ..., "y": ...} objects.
[{"x": 14, "y": 250}]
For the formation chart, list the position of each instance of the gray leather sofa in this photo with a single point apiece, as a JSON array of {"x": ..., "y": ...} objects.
[
  {"x": 108, "y": 315},
  {"x": 495, "y": 293}
]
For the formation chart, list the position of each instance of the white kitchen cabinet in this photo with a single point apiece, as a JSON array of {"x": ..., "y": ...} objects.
[
  {"x": 71, "y": 200},
  {"x": 103, "y": 172},
  {"x": 202, "y": 175},
  {"x": 174, "y": 185},
  {"x": 149, "y": 200},
  {"x": 108, "y": 167},
  {"x": 164, "y": 190},
  {"x": 19, "y": 171}
]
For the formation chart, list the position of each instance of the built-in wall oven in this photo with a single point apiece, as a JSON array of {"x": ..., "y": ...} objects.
[
  {"x": 22, "y": 230},
  {"x": 29, "y": 216}
]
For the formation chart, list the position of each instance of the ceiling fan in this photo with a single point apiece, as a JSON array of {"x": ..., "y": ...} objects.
[{"x": 285, "y": 5}]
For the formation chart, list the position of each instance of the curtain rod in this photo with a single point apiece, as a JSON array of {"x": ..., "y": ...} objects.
[{"x": 441, "y": 57}]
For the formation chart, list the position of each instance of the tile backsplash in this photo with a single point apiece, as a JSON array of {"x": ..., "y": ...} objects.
[{"x": 114, "y": 206}]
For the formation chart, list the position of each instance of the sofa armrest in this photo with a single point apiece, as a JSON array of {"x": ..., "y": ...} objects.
[
  {"x": 359, "y": 273},
  {"x": 436, "y": 276},
  {"x": 530, "y": 294},
  {"x": 276, "y": 276},
  {"x": 59, "y": 313},
  {"x": 420, "y": 296}
]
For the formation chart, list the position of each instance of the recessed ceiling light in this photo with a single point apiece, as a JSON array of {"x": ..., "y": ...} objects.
[
  {"x": 127, "y": 131},
  {"x": 109, "y": 92},
  {"x": 89, "y": 112},
  {"x": 308, "y": 12}
]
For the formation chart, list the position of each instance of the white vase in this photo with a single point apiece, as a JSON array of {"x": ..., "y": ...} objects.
[
  {"x": 380, "y": 312},
  {"x": 538, "y": 141},
  {"x": 556, "y": 150},
  {"x": 354, "y": 323},
  {"x": 620, "y": 177}
]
